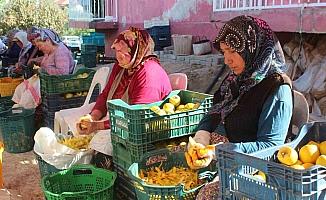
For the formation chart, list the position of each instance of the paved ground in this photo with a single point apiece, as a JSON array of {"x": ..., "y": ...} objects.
[{"x": 21, "y": 177}]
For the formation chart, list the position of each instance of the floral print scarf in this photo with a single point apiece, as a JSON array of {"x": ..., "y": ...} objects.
[
  {"x": 253, "y": 39},
  {"x": 136, "y": 44}
]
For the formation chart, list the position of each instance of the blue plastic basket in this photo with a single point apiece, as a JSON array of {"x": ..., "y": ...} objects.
[{"x": 237, "y": 182}]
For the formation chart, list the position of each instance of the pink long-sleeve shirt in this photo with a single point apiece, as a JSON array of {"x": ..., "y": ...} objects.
[{"x": 59, "y": 62}]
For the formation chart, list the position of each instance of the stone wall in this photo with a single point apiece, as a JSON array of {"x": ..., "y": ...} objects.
[{"x": 201, "y": 70}]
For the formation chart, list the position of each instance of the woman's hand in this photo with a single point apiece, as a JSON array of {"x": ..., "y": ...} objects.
[
  {"x": 198, "y": 155},
  {"x": 88, "y": 127},
  {"x": 36, "y": 61}
]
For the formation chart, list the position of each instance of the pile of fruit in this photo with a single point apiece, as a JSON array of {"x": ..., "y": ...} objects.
[
  {"x": 174, "y": 106},
  {"x": 83, "y": 75},
  {"x": 173, "y": 177},
  {"x": 76, "y": 94},
  {"x": 77, "y": 143},
  {"x": 173, "y": 142},
  {"x": 309, "y": 155}
]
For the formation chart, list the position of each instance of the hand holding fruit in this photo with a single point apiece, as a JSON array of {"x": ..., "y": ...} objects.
[
  {"x": 199, "y": 156},
  {"x": 86, "y": 125}
]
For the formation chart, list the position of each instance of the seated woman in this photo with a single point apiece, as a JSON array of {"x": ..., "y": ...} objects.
[
  {"x": 34, "y": 53},
  {"x": 32, "y": 34},
  {"x": 137, "y": 77},
  {"x": 57, "y": 59},
  {"x": 25, "y": 52},
  {"x": 253, "y": 107},
  {"x": 11, "y": 55},
  {"x": 134, "y": 77}
]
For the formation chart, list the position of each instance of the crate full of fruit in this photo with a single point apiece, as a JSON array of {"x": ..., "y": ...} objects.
[
  {"x": 77, "y": 82},
  {"x": 175, "y": 116},
  {"x": 164, "y": 174},
  {"x": 295, "y": 170}
]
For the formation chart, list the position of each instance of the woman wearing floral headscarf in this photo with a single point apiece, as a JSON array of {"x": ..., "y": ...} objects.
[
  {"x": 136, "y": 78},
  {"x": 36, "y": 55},
  {"x": 253, "y": 107},
  {"x": 57, "y": 59}
]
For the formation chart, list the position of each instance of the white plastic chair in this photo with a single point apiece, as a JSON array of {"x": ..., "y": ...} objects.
[
  {"x": 179, "y": 81},
  {"x": 65, "y": 120},
  {"x": 300, "y": 110},
  {"x": 75, "y": 66},
  {"x": 300, "y": 114}
]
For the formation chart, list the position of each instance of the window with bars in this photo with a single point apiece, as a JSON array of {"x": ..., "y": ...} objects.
[{"x": 236, "y": 5}]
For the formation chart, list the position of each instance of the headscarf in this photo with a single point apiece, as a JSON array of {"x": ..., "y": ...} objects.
[
  {"x": 140, "y": 47},
  {"x": 33, "y": 32},
  {"x": 45, "y": 33},
  {"x": 256, "y": 43},
  {"x": 22, "y": 37}
]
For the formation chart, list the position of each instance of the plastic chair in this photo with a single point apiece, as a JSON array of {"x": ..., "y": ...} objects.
[
  {"x": 74, "y": 69},
  {"x": 179, "y": 81},
  {"x": 300, "y": 113},
  {"x": 64, "y": 120}
]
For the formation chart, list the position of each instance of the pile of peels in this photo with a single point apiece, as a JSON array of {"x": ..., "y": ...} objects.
[{"x": 173, "y": 177}]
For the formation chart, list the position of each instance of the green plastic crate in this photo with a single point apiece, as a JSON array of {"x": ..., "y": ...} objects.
[
  {"x": 137, "y": 124},
  {"x": 88, "y": 48},
  {"x": 6, "y": 103},
  {"x": 80, "y": 182},
  {"x": 125, "y": 153},
  {"x": 166, "y": 159},
  {"x": 89, "y": 59},
  {"x": 17, "y": 129},
  {"x": 44, "y": 167},
  {"x": 51, "y": 84}
]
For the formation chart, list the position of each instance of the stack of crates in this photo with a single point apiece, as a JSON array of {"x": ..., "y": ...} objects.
[
  {"x": 282, "y": 182},
  {"x": 64, "y": 91},
  {"x": 94, "y": 38},
  {"x": 160, "y": 32},
  {"x": 88, "y": 55},
  {"x": 136, "y": 129}
]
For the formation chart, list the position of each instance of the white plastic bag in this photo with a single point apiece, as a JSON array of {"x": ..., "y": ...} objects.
[
  {"x": 101, "y": 142},
  {"x": 28, "y": 94},
  {"x": 56, "y": 154},
  {"x": 305, "y": 82},
  {"x": 67, "y": 119}
]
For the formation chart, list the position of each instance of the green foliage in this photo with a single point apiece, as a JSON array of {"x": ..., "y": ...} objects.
[
  {"x": 22, "y": 14},
  {"x": 76, "y": 31}
]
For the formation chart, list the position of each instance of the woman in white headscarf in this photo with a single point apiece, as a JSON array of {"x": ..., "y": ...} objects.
[{"x": 21, "y": 39}]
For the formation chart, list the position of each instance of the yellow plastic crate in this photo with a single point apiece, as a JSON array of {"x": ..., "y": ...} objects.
[{"x": 8, "y": 85}]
